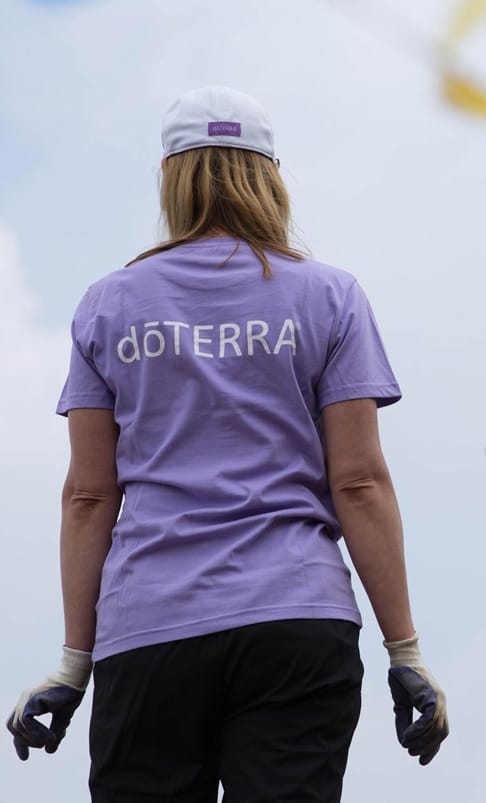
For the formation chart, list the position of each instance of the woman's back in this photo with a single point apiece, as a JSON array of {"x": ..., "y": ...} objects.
[{"x": 217, "y": 379}]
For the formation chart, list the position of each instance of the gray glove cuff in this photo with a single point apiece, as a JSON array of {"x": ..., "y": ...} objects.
[
  {"x": 404, "y": 653},
  {"x": 74, "y": 670}
]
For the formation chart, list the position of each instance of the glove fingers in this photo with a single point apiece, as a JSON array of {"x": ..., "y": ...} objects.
[
  {"x": 427, "y": 745},
  {"x": 403, "y": 705},
  {"x": 403, "y": 719},
  {"x": 429, "y": 752},
  {"x": 424, "y": 736},
  {"x": 37, "y": 734},
  {"x": 21, "y": 746},
  {"x": 427, "y": 757},
  {"x": 63, "y": 703},
  {"x": 29, "y": 732},
  {"x": 425, "y": 730},
  {"x": 25, "y": 737},
  {"x": 420, "y": 730},
  {"x": 58, "y": 728}
]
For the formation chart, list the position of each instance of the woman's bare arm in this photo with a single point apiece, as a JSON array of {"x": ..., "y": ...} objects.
[
  {"x": 90, "y": 505},
  {"x": 367, "y": 510}
]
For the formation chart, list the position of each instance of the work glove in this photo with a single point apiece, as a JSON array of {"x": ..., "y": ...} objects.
[
  {"x": 59, "y": 694},
  {"x": 413, "y": 686}
]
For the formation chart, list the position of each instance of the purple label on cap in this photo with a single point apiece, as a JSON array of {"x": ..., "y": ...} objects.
[{"x": 224, "y": 129}]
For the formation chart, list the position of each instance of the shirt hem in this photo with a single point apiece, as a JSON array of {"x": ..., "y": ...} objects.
[
  {"x": 75, "y": 402},
  {"x": 383, "y": 394},
  {"x": 225, "y": 622}
]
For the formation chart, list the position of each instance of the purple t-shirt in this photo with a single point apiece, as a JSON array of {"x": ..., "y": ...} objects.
[{"x": 217, "y": 377}]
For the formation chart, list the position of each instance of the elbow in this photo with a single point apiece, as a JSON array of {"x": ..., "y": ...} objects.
[
  {"x": 366, "y": 504},
  {"x": 361, "y": 496},
  {"x": 361, "y": 483},
  {"x": 87, "y": 501}
]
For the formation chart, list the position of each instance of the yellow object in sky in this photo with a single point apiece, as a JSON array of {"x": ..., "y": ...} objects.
[
  {"x": 465, "y": 18},
  {"x": 459, "y": 88}
]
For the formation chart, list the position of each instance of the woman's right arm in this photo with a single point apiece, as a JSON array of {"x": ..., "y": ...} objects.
[{"x": 367, "y": 510}]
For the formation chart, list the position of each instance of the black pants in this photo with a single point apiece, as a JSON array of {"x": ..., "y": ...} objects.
[{"x": 269, "y": 709}]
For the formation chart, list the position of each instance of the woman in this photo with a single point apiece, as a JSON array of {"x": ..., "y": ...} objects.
[{"x": 226, "y": 387}]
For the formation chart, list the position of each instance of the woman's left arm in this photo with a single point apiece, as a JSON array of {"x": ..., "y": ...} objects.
[{"x": 91, "y": 502}]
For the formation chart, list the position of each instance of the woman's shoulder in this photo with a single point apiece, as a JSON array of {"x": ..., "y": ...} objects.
[
  {"x": 110, "y": 288},
  {"x": 317, "y": 275}
]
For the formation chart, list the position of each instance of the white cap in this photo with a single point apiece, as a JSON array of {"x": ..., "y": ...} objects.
[{"x": 216, "y": 116}]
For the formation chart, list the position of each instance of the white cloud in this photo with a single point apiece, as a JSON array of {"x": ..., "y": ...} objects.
[
  {"x": 34, "y": 364},
  {"x": 34, "y": 450}
]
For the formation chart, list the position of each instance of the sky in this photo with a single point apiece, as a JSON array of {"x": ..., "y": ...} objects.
[{"x": 387, "y": 181}]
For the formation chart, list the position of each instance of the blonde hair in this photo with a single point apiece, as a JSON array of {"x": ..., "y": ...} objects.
[{"x": 226, "y": 191}]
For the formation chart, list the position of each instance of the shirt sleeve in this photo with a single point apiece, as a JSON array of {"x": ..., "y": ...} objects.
[
  {"x": 84, "y": 386},
  {"x": 357, "y": 366}
]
